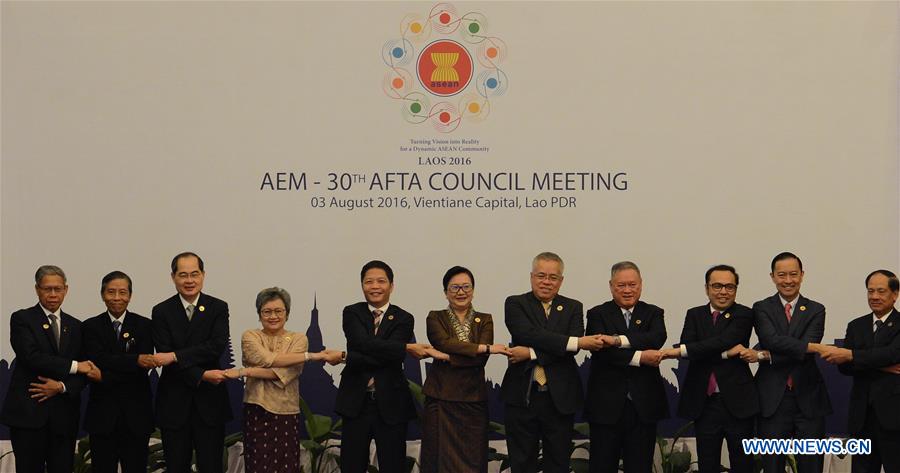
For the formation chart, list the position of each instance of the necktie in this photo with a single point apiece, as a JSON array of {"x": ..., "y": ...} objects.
[
  {"x": 787, "y": 314},
  {"x": 117, "y": 326},
  {"x": 376, "y": 314},
  {"x": 878, "y": 325},
  {"x": 540, "y": 376},
  {"x": 627, "y": 315},
  {"x": 190, "y": 311},
  {"x": 54, "y": 326},
  {"x": 712, "y": 387}
]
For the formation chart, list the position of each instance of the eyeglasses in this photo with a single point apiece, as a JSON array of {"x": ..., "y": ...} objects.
[
  {"x": 278, "y": 313},
  {"x": 192, "y": 275},
  {"x": 716, "y": 287},
  {"x": 52, "y": 289},
  {"x": 549, "y": 277},
  {"x": 456, "y": 288}
]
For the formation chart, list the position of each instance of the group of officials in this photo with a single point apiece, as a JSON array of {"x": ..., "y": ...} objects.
[{"x": 57, "y": 356}]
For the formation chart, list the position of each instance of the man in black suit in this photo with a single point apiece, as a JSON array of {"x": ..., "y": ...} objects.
[
  {"x": 792, "y": 393},
  {"x": 44, "y": 397},
  {"x": 718, "y": 393},
  {"x": 119, "y": 415},
  {"x": 625, "y": 396},
  {"x": 373, "y": 398},
  {"x": 870, "y": 354},
  {"x": 541, "y": 388},
  {"x": 190, "y": 331}
]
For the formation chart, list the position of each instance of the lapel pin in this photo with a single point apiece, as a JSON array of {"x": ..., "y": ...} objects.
[
  {"x": 559, "y": 308},
  {"x": 126, "y": 335},
  {"x": 890, "y": 324},
  {"x": 46, "y": 326},
  {"x": 390, "y": 317},
  {"x": 202, "y": 308},
  {"x": 287, "y": 339},
  {"x": 802, "y": 307},
  {"x": 727, "y": 315},
  {"x": 65, "y": 329},
  {"x": 477, "y": 320},
  {"x": 638, "y": 321}
]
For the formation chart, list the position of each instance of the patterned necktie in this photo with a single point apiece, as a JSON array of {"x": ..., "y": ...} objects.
[
  {"x": 54, "y": 326},
  {"x": 376, "y": 314},
  {"x": 627, "y": 315},
  {"x": 540, "y": 376},
  {"x": 189, "y": 310},
  {"x": 117, "y": 327},
  {"x": 787, "y": 313},
  {"x": 712, "y": 387}
]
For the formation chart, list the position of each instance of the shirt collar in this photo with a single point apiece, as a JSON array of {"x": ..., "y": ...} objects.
[
  {"x": 383, "y": 308},
  {"x": 113, "y": 319},
  {"x": 785, "y": 302},
  {"x": 875, "y": 317},
  {"x": 47, "y": 312},
  {"x": 186, "y": 303}
]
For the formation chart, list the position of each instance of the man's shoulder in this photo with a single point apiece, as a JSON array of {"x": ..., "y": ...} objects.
[
  {"x": 358, "y": 307},
  {"x": 740, "y": 309},
  {"x": 94, "y": 321},
  {"x": 28, "y": 312},
  {"x": 69, "y": 318},
  {"x": 863, "y": 320},
  {"x": 646, "y": 307},
  {"x": 762, "y": 304},
  {"x": 520, "y": 298},
  {"x": 166, "y": 305},
  {"x": 810, "y": 305},
  {"x": 560, "y": 299},
  {"x": 398, "y": 311},
  {"x": 206, "y": 300}
]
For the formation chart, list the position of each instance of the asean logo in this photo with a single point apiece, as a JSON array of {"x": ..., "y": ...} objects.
[{"x": 457, "y": 68}]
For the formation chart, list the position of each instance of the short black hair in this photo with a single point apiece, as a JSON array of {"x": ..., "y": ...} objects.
[
  {"x": 786, "y": 255},
  {"x": 113, "y": 276},
  {"x": 893, "y": 282},
  {"x": 457, "y": 270},
  {"x": 723, "y": 267},
  {"x": 186, "y": 254},
  {"x": 376, "y": 264}
]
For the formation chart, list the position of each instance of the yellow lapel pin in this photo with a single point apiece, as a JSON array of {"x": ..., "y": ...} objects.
[
  {"x": 559, "y": 308},
  {"x": 802, "y": 307},
  {"x": 727, "y": 315},
  {"x": 477, "y": 320},
  {"x": 390, "y": 317},
  {"x": 46, "y": 326},
  {"x": 202, "y": 308},
  {"x": 638, "y": 321},
  {"x": 126, "y": 335}
]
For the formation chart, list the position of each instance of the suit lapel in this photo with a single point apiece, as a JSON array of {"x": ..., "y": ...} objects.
[
  {"x": 722, "y": 321},
  {"x": 558, "y": 312},
  {"x": 887, "y": 331},
  {"x": 618, "y": 319},
  {"x": 43, "y": 324},
  {"x": 65, "y": 331},
  {"x": 799, "y": 318},
  {"x": 109, "y": 334},
  {"x": 537, "y": 313}
]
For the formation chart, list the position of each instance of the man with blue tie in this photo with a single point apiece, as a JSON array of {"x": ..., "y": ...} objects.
[
  {"x": 119, "y": 415},
  {"x": 793, "y": 397}
]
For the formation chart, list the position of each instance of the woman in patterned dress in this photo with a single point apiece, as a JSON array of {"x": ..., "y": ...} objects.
[
  {"x": 455, "y": 419},
  {"x": 273, "y": 359}
]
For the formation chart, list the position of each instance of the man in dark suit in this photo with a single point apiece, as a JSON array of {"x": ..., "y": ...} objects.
[
  {"x": 793, "y": 396},
  {"x": 190, "y": 331},
  {"x": 541, "y": 389},
  {"x": 44, "y": 397},
  {"x": 119, "y": 415},
  {"x": 871, "y": 354},
  {"x": 625, "y": 395},
  {"x": 718, "y": 393},
  {"x": 373, "y": 398}
]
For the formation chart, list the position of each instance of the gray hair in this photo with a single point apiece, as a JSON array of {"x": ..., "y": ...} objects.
[
  {"x": 549, "y": 256},
  {"x": 48, "y": 270},
  {"x": 622, "y": 266},
  {"x": 270, "y": 294}
]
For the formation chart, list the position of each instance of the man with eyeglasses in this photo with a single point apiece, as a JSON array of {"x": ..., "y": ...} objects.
[
  {"x": 718, "y": 392},
  {"x": 870, "y": 355},
  {"x": 119, "y": 416},
  {"x": 792, "y": 393},
  {"x": 625, "y": 396},
  {"x": 43, "y": 402},
  {"x": 190, "y": 331},
  {"x": 541, "y": 388}
]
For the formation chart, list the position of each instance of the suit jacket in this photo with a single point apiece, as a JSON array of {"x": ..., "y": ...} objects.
[
  {"x": 787, "y": 344},
  {"x": 37, "y": 355},
  {"x": 461, "y": 378},
  {"x": 612, "y": 379},
  {"x": 378, "y": 356},
  {"x": 124, "y": 391},
  {"x": 198, "y": 344},
  {"x": 548, "y": 336},
  {"x": 872, "y": 387},
  {"x": 705, "y": 343}
]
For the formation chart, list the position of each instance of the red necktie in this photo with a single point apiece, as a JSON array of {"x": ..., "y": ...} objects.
[
  {"x": 712, "y": 386},
  {"x": 787, "y": 313}
]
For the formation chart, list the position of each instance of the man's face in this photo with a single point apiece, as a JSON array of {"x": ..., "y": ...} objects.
[
  {"x": 721, "y": 289},
  {"x": 376, "y": 287},
  {"x": 188, "y": 278},
  {"x": 546, "y": 279},
  {"x": 881, "y": 297},
  {"x": 116, "y": 296},
  {"x": 51, "y": 291},
  {"x": 625, "y": 287},
  {"x": 787, "y": 278}
]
